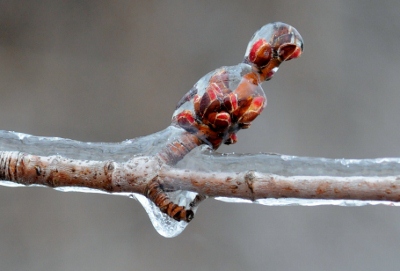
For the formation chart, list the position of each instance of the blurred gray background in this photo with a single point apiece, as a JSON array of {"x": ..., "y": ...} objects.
[{"x": 112, "y": 70}]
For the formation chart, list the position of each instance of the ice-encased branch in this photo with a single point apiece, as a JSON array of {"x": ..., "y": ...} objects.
[
  {"x": 127, "y": 168},
  {"x": 263, "y": 178},
  {"x": 248, "y": 177}
]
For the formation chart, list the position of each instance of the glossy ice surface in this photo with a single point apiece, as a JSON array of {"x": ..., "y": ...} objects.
[
  {"x": 203, "y": 159},
  {"x": 230, "y": 98},
  {"x": 97, "y": 151},
  {"x": 221, "y": 103}
]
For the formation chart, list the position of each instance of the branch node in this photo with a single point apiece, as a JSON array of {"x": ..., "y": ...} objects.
[{"x": 249, "y": 180}]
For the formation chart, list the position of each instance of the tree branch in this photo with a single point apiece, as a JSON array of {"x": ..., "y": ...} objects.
[
  {"x": 161, "y": 165},
  {"x": 249, "y": 177},
  {"x": 253, "y": 185}
]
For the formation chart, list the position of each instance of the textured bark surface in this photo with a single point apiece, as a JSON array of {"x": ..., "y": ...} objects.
[{"x": 152, "y": 175}]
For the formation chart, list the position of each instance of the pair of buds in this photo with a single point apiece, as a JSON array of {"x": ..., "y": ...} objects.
[{"x": 271, "y": 45}]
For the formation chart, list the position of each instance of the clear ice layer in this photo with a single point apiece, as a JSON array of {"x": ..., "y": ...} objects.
[
  {"x": 235, "y": 74},
  {"x": 118, "y": 152},
  {"x": 203, "y": 160},
  {"x": 310, "y": 202},
  {"x": 165, "y": 225}
]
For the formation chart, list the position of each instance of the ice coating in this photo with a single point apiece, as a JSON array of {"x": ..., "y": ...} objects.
[
  {"x": 221, "y": 103},
  {"x": 164, "y": 224},
  {"x": 122, "y": 153},
  {"x": 230, "y": 98},
  {"x": 100, "y": 151},
  {"x": 202, "y": 159},
  {"x": 212, "y": 112},
  {"x": 270, "y": 46},
  {"x": 311, "y": 202}
]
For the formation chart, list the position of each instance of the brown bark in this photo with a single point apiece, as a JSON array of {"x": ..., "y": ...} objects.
[{"x": 138, "y": 173}]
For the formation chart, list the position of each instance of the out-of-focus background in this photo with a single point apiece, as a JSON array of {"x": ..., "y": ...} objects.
[{"x": 112, "y": 70}]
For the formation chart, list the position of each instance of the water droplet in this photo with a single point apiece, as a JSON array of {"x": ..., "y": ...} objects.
[{"x": 165, "y": 225}]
